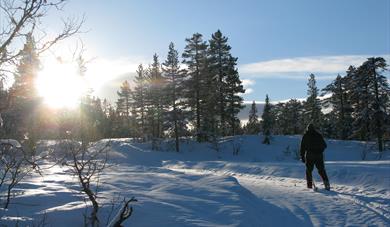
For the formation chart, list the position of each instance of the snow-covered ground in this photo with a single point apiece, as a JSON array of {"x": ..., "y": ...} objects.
[{"x": 261, "y": 186}]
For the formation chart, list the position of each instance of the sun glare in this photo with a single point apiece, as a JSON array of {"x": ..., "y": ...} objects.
[{"x": 60, "y": 85}]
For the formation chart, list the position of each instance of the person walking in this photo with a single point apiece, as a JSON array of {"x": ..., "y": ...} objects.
[{"x": 312, "y": 148}]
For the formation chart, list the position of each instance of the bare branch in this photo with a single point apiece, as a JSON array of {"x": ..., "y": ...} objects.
[
  {"x": 123, "y": 214},
  {"x": 22, "y": 18}
]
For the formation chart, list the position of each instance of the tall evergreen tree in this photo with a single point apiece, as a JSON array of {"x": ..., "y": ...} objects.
[
  {"x": 155, "y": 100},
  {"x": 380, "y": 94},
  {"x": 312, "y": 105},
  {"x": 360, "y": 99},
  {"x": 124, "y": 105},
  {"x": 22, "y": 117},
  {"x": 267, "y": 121},
  {"x": 174, "y": 94},
  {"x": 341, "y": 107},
  {"x": 219, "y": 57},
  {"x": 233, "y": 100},
  {"x": 228, "y": 83},
  {"x": 140, "y": 99},
  {"x": 195, "y": 57}
]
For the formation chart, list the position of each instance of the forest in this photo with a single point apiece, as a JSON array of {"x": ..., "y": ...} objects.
[{"x": 197, "y": 96}]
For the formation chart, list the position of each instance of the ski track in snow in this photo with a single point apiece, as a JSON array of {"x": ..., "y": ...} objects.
[{"x": 338, "y": 207}]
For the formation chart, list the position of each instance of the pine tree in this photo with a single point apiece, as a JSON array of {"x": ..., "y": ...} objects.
[
  {"x": 233, "y": 100},
  {"x": 267, "y": 121},
  {"x": 313, "y": 112},
  {"x": 155, "y": 101},
  {"x": 219, "y": 57},
  {"x": 360, "y": 100},
  {"x": 228, "y": 85},
  {"x": 341, "y": 108},
  {"x": 195, "y": 57},
  {"x": 139, "y": 97},
  {"x": 210, "y": 129},
  {"x": 174, "y": 94},
  {"x": 380, "y": 94},
  {"x": 253, "y": 125},
  {"x": 124, "y": 105},
  {"x": 22, "y": 117}
]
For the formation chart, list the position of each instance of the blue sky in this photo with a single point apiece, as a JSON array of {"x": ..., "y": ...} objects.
[{"x": 278, "y": 43}]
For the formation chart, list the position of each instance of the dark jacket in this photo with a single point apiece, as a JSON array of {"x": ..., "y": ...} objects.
[{"x": 313, "y": 144}]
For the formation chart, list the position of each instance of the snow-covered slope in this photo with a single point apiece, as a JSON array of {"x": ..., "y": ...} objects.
[{"x": 261, "y": 186}]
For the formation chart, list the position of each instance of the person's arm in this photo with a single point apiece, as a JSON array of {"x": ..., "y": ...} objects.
[
  {"x": 323, "y": 143},
  {"x": 303, "y": 148}
]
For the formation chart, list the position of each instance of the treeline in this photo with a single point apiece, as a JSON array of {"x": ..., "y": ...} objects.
[
  {"x": 354, "y": 106},
  {"x": 197, "y": 95}
]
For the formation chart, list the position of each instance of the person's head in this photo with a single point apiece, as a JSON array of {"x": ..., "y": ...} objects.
[{"x": 311, "y": 127}]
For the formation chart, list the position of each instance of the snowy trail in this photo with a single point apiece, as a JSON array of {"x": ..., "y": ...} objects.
[
  {"x": 339, "y": 207},
  {"x": 322, "y": 208}
]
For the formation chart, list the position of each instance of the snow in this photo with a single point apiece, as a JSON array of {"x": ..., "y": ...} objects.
[{"x": 261, "y": 186}]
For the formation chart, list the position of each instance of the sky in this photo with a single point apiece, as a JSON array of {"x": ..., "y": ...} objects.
[{"x": 278, "y": 43}]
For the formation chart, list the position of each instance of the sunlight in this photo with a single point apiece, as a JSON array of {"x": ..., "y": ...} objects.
[{"x": 60, "y": 85}]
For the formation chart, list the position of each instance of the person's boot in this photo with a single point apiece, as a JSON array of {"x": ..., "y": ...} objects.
[
  {"x": 309, "y": 184},
  {"x": 327, "y": 185}
]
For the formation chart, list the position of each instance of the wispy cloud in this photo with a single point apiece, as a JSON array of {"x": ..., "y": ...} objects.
[
  {"x": 298, "y": 68},
  {"x": 248, "y": 83},
  {"x": 248, "y": 91}
]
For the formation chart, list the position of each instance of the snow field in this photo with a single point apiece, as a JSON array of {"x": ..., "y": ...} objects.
[{"x": 261, "y": 186}]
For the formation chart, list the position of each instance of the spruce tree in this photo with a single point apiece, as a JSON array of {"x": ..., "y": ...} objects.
[
  {"x": 155, "y": 101},
  {"x": 313, "y": 113},
  {"x": 22, "y": 117},
  {"x": 211, "y": 127},
  {"x": 140, "y": 98},
  {"x": 341, "y": 108},
  {"x": 234, "y": 101},
  {"x": 195, "y": 57},
  {"x": 380, "y": 94},
  {"x": 219, "y": 57},
  {"x": 174, "y": 94},
  {"x": 124, "y": 105},
  {"x": 267, "y": 121},
  {"x": 360, "y": 99}
]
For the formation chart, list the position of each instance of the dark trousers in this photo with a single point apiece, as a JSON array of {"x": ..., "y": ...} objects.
[{"x": 318, "y": 161}]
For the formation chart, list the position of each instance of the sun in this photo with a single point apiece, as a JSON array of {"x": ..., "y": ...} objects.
[{"x": 60, "y": 85}]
